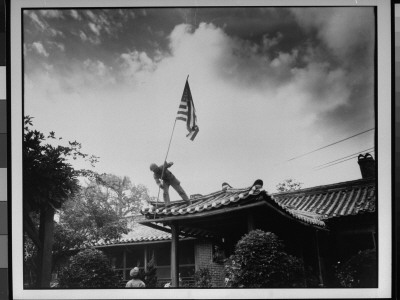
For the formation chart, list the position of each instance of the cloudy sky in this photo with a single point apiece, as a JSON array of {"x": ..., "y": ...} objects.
[{"x": 269, "y": 84}]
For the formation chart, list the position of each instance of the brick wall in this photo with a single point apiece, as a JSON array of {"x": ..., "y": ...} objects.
[{"x": 203, "y": 259}]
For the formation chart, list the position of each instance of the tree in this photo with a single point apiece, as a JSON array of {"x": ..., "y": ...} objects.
[
  {"x": 89, "y": 269},
  {"x": 85, "y": 220},
  {"x": 259, "y": 261},
  {"x": 122, "y": 195},
  {"x": 97, "y": 213},
  {"x": 360, "y": 271},
  {"x": 48, "y": 181},
  {"x": 288, "y": 185}
]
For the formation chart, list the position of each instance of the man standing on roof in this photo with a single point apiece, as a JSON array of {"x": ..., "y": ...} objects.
[{"x": 164, "y": 178}]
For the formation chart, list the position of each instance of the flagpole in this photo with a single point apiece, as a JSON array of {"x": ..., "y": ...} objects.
[
  {"x": 162, "y": 173},
  {"x": 165, "y": 160}
]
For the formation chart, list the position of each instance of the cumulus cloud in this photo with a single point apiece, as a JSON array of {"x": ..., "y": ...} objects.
[
  {"x": 91, "y": 15},
  {"x": 54, "y": 32},
  {"x": 39, "y": 48},
  {"x": 348, "y": 34},
  {"x": 36, "y": 20},
  {"x": 94, "y": 28},
  {"x": 303, "y": 80},
  {"x": 83, "y": 36},
  {"x": 136, "y": 66},
  {"x": 250, "y": 66},
  {"x": 60, "y": 46},
  {"x": 52, "y": 13},
  {"x": 342, "y": 29},
  {"x": 104, "y": 22},
  {"x": 97, "y": 71},
  {"x": 75, "y": 14},
  {"x": 268, "y": 42}
]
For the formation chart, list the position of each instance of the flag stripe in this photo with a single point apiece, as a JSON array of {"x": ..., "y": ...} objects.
[
  {"x": 187, "y": 112},
  {"x": 193, "y": 134}
]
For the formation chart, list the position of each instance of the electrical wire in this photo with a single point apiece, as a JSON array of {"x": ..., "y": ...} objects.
[
  {"x": 341, "y": 161},
  {"x": 357, "y": 153},
  {"x": 337, "y": 142}
]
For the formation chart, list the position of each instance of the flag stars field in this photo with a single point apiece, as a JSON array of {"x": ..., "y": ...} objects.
[{"x": 268, "y": 84}]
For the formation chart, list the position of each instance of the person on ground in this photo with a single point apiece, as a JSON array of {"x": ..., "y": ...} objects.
[{"x": 135, "y": 282}]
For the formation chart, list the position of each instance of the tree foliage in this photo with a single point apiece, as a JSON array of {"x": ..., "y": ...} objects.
[
  {"x": 121, "y": 194},
  {"x": 288, "y": 185},
  {"x": 360, "y": 271},
  {"x": 48, "y": 181},
  {"x": 85, "y": 220},
  {"x": 89, "y": 269},
  {"x": 98, "y": 212},
  {"x": 259, "y": 261},
  {"x": 48, "y": 178}
]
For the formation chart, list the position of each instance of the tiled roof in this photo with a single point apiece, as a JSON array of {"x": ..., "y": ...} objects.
[
  {"x": 312, "y": 206},
  {"x": 223, "y": 198},
  {"x": 138, "y": 234},
  {"x": 229, "y": 198},
  {"x": 329, "y": 201}
]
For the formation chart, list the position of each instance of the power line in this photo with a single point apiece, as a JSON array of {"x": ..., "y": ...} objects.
[
  {"x": 337, "y": 142},
  {"x": 359, "y": 152},
  {"x": 330, "y": 165}
]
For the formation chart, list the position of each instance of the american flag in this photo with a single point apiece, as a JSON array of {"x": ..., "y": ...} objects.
[{"x": 187, "y": 112}]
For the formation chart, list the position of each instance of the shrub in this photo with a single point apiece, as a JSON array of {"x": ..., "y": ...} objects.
[
  {"x": 89, "y": 269},
  {"x": 360, "y": 271},
  {"x": 259, "y": 261},
  {"x": 202, "y": 278}
]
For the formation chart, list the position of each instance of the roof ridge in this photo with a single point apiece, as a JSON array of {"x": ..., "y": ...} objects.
[{"x": 330, "y": 187}]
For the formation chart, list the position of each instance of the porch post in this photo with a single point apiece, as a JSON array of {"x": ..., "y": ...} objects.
[
  {"x": 174, "y": 255},
  {"x": 124, "y": 264},
  {"x": 299, "y": 240},
  {"x": 250, "y": 222},
  {"x": 145, "y": 258},
  {"x": 373, "y": 239},
  {"x": 319, "y": 259}
]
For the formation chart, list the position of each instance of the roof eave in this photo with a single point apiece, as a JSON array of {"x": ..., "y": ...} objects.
[{"x": 263, "y": 202}]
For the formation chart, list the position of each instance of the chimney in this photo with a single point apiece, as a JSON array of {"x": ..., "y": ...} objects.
[{"x": 367, "y": 166}]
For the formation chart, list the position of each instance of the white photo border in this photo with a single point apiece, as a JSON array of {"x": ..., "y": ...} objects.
[{"x": 383, "y": 90}]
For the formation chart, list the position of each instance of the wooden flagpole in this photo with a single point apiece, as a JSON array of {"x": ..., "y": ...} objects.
[{"x": 169, "y": 146}]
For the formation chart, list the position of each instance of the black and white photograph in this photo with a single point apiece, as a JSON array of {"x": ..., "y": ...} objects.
[{"x": 201, "y": 150}]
